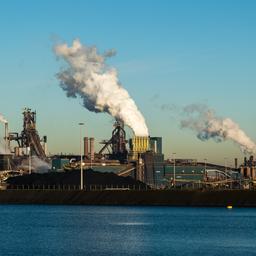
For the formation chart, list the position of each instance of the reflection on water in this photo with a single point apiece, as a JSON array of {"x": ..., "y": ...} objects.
[
  {"x": 99, "y": 230},
  {"x": 131, "y": 223}
]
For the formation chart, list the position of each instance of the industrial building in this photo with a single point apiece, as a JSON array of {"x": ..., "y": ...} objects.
[
  {"x": 143, "y": 159},
  {"x": 188, "y": 172},
  {"x": 139, "y": 157}
]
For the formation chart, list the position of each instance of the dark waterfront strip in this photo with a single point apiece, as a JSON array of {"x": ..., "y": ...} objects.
[{"x": 235, "y": 198}]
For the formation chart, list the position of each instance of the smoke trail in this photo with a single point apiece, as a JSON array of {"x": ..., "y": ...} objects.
[
  {"x": 40, "y": 166},
  {"x": 37, "y": 165},
  {"x": 207, "y": 125},
  {"x": 97, "y": 84},
  {"x": 2, "y": 119},
  {"x": 2, "y": 151}
]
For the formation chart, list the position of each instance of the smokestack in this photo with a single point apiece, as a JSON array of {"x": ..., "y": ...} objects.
[
  {"x": 236, "y": 163},
  {"x": 86, "y": 148},
  {"x": 6, "y": 136},
  {"x": 92, "y": 148},
  {"x": 45, "y": 145},
  {"x": 245, "y": 161}
]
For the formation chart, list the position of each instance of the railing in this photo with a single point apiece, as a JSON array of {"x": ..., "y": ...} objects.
[
  {"x": 77, "y": 187},
  {"x": 198, "y": 185},
  {"x": 213, "y": 185}
]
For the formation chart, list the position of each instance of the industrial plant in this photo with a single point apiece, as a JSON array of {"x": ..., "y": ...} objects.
[{"x": 140, "y": 158}]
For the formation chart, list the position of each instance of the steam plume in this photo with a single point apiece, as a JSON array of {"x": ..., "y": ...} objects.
[
  {"x": 2, "y": 119},
  {"x": 207, "y": 125},
  {"x": 97, "y": 84},
  {"x": 3, "y": 149},
  {"x": 37, "y": 165},
  {"x": 40, "y": 166}
]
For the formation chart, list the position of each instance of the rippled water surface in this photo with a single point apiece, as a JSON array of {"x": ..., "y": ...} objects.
[{"x": 98, "y": 230}]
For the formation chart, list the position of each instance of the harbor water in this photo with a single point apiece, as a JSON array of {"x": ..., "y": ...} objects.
[{"x": 112, "y": 230}]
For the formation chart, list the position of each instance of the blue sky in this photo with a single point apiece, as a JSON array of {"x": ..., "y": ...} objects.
[{"x": 168, "y": 52}]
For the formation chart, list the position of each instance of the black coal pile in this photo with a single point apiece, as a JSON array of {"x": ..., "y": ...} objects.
[{"x": 73, "y": 178}]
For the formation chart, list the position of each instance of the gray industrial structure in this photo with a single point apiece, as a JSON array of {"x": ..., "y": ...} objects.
[
  {"x": 28, "y": 145},
  {"x": 29, "y": 139},
  {"x": 116, "y": 145}
]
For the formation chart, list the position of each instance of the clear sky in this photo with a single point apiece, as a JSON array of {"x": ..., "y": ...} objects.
[{"x": 168, "y": 53}]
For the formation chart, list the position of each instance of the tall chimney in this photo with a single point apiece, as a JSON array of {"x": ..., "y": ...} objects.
[
  {"x": 86, "y": 148},
  {"x": 45, "y": 145},
  {"x": 92, "y": 148},
  {"x": 236, "y": 163},
  {"x": 6, "y": 137}
]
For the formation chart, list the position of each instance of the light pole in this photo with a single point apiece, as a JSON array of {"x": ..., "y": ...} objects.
[
  {"x": 205, "y": 160},
  {"x": 29, "y": 160},
  {"x": 81, "y": 160},
  {"x": 226, "y": 170},
  {"x": 174, "y": 170},
  {"x": 225, "y": 164}
]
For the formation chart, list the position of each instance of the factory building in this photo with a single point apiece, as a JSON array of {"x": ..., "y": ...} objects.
[
  {"x": 153, "y": 168},
  {"x": 156, "y": 144},
  {"x": 150, "y": 160},
  {"x": 143, "y": 160},
  {"x": 184, "y": 171},
  {"x": 190, "y": 170}
]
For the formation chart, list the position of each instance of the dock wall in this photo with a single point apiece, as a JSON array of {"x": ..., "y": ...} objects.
[{"x": 235, "y": 198}]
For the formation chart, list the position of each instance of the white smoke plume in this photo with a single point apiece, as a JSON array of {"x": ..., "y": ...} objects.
[
  {"x": 3, "y": 149},
  {"x": 207, "y": 125},
  {"x": 37, "y": 165},
  {"x": 40, "y": 166},
  {"x": 2, "y": 119},
  {"x": 89, "y": 77}
]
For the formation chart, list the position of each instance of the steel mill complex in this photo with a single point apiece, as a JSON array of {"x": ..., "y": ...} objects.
[{"x": 140, "y": 158}]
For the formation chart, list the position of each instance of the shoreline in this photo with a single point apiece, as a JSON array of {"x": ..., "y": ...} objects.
[{"x": 235, "y": 198}]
